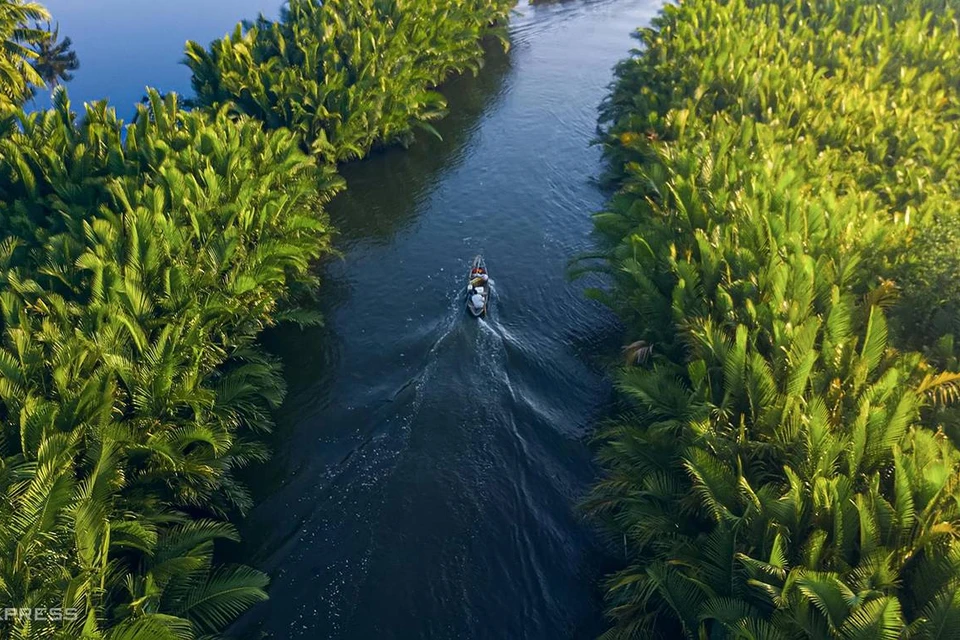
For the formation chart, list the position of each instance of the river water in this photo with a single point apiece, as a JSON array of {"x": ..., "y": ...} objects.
[{"x": 427, "y": 463}]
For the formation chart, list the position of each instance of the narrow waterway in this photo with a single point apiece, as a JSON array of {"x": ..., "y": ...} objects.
[{"x": 429, "y": 462}]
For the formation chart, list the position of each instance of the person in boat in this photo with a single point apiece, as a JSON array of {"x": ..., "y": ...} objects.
[
  {"x": 475, "y": 288},
  {"x": 479, "y": 278},
  {"x": 476, "y": 300},
  {"x": 475, "y": 291}
]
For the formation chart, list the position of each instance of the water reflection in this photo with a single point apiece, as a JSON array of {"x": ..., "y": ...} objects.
[{"x": 402, "y": 178}]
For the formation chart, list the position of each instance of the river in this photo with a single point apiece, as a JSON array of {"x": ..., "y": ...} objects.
[{"x": 427, "y": 463}]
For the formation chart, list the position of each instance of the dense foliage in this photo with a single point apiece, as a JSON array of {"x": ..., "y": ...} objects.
[
  {"x": 138, "y": 265},
  {"x": 782, "y": 474},
  {"x": 18, "y": 38},
  {"x": 346, "y": 74}
]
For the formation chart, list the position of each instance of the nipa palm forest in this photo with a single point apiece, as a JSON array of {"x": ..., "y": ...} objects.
[
  {"x": 138, "y": 264},
  {"x": 783, "y": 248},
  {"x": 780, "y": 245}
]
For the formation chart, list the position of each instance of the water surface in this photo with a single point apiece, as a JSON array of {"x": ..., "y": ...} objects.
[
  {"x": 125, "y": 46},
  {"x": 428, "y": 462}
]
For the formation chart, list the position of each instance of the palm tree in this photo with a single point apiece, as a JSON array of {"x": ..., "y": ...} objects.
[
  {"x": 133, "y": 284},
  {"x": 55, "y": 60},
  {"x": 783, "y": 472},
  {"x": 177, "y": 584},
  {"x": 17, "y": 55},
  {"x": 344, "y": 75}
]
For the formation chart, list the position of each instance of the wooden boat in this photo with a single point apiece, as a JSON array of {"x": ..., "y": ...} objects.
[{"x": 478, "y": 288}]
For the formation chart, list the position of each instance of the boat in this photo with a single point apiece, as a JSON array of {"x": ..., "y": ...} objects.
[{"x": 478, "y": 288}]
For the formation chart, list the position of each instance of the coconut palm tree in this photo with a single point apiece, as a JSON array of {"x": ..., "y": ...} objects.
[{"x": 55, "y": 60}]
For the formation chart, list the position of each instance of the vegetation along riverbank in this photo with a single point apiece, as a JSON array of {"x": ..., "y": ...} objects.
[
  {"x": 780, "y": 245},
  {"x": 138, "y": 264}
]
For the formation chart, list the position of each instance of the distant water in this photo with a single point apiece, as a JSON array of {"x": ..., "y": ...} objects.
[
  {"x": 427, "y": 463},
  {"x": 127, "y": 45}
]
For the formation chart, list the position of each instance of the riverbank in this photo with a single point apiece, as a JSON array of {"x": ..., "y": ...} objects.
[{"x": 788, "y": 467}]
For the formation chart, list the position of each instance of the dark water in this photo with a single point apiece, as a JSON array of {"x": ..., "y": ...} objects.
[{"x": 428, "y": 462}]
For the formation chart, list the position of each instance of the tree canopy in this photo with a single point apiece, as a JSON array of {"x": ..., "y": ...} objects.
[
  {"x": 346, "y": 74},
  {"x": 18, "y": 37},
  {"x": 139, "y": 263},
  {"x": 783, "y": 472}
]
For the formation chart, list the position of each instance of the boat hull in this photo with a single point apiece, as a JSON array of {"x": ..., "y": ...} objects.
[{"x": 477, "y": 313}]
